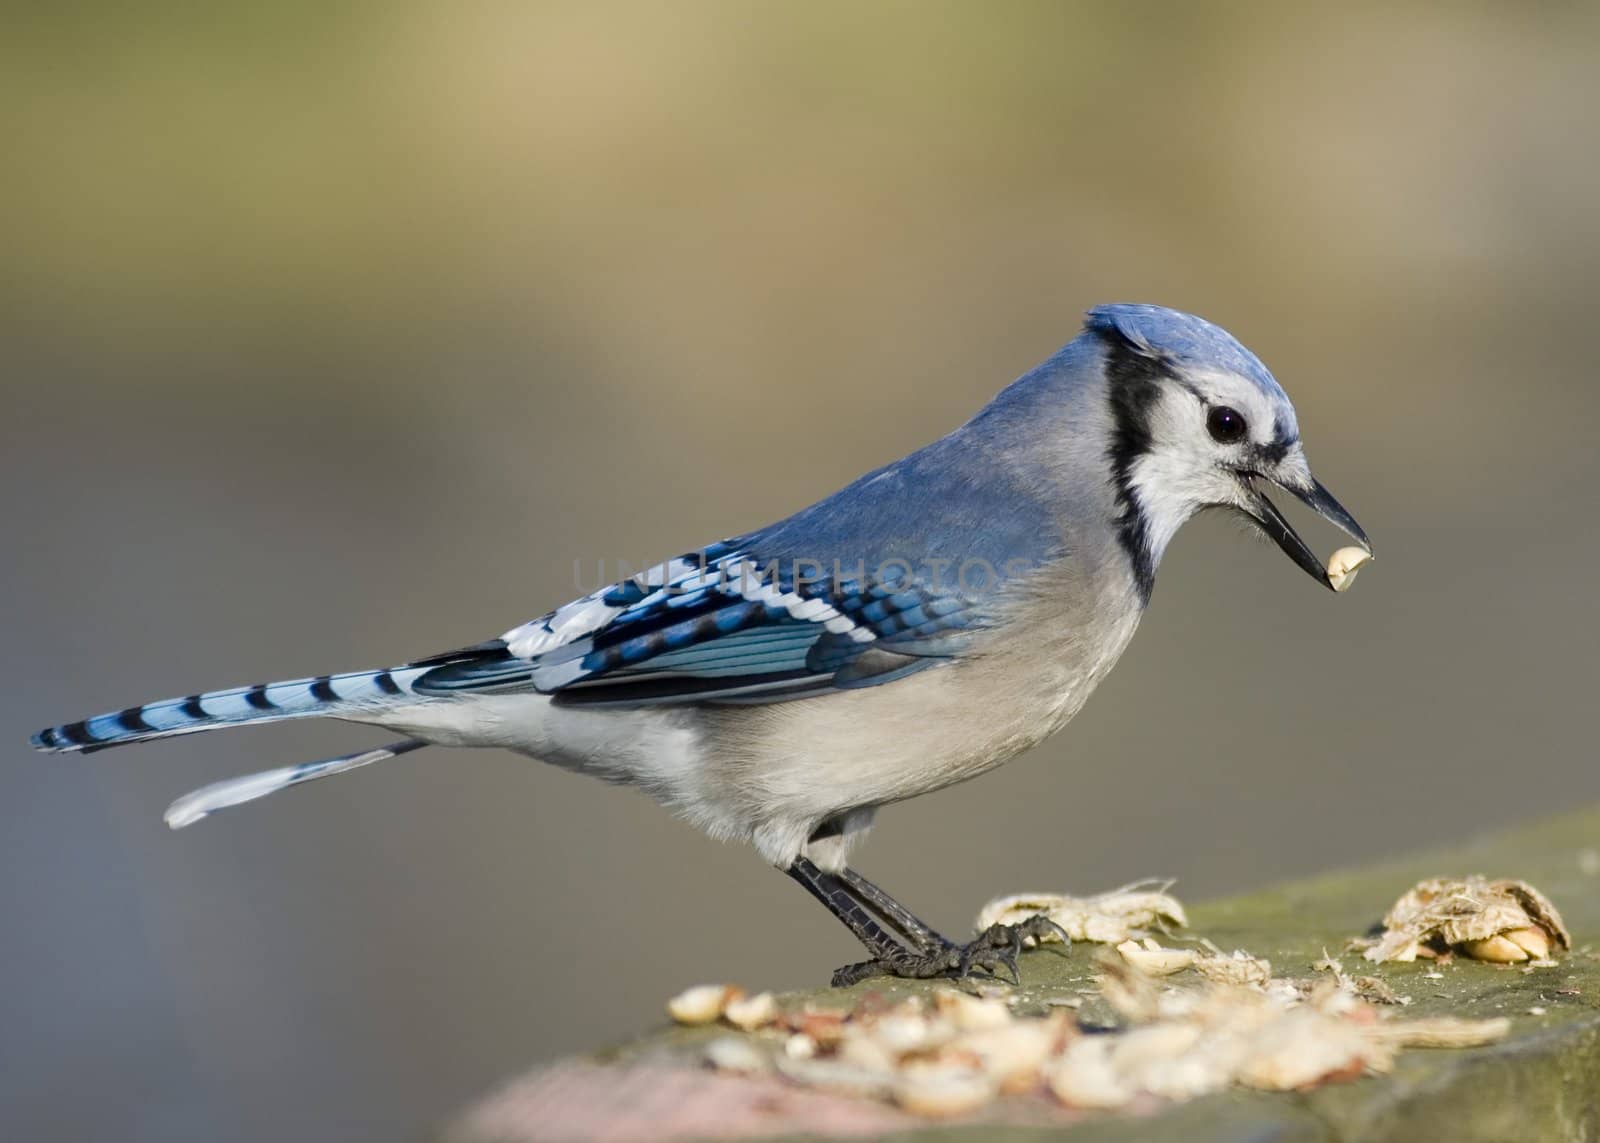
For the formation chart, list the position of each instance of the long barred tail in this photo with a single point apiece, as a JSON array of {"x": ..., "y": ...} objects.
[{"x": 325, "y": 695}]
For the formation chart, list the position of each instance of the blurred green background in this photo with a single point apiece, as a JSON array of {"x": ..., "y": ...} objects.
[{"x": 333, "y": 336}]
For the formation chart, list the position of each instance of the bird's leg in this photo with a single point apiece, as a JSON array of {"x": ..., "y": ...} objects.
[
  {"x": 837, "y": 896},
  {"x": 928, "y": 939},
  {"x": 853, "y": 899},
  {"x": 915, "y": 930}
]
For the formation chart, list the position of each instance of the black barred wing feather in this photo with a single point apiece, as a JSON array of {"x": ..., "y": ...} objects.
[{"x": 719, "y": 627}]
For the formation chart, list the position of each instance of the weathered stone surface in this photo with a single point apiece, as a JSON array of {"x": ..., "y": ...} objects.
[{"x": 1541, "y": 1083}]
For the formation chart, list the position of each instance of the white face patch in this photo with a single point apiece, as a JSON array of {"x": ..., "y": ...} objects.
[{"x": 1186, "y": 469}]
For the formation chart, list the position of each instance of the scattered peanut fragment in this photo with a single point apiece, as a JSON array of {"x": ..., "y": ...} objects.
[
  {"x": 941, "y": 1092},
  {"x": 905, "y": 1033},
  {"x": 702, "y": 1004},
  {"x": 1504, "y": 921},
  {"x": 835, "y": 1075},
  {"x": 1374, "y": 990},
  {"x": 1439, "y": 1032},
  {"x": 738, "y": 1055},
  {"x": 748, "y": 1013},
  {"x": 971, "y": 1013},
  {"x": 1083, "y": 1077},
  {"x": 870, "y": 1054},
  {"x": 1343, "y": 565},
  {"x": 1237, "y": 967},
  {"x": 1173, "y": 1043},
  {"x": 823, "y": 1026},
  {"x": 1149, "y": 957},
  {"x": 1129, "y": 913},
  {"x": 1185, "y": 1022},
  {"x": 1184, "y": 1043},
  {"x": 1304, "y": 1047},
  {"x": 1014, "y": 1055}
]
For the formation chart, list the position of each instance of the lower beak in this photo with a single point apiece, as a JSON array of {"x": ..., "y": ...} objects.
[{"x": 1265, "y": 513}]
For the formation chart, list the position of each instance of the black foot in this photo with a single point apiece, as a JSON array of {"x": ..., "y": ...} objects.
[{"x": 996, "y": 946}]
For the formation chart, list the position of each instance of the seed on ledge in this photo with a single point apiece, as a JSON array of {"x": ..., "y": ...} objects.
[
  {"x": 747, "y": 1013},
  {"x": 1504, "y": 921},
  {"x": 1153, "y": 960},
  {"x": 938, "y": 1092},
  {"x": 703, "y": 1003},
  {"x": 737, "y": 1054},
  {"x": 1106, "y": 918},
  {"x": 970, "y": 1013},
  {"x": 1510, "y": 947}
]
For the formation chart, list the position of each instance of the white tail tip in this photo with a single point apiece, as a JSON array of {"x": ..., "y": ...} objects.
[{"x": 207, "y": 800}]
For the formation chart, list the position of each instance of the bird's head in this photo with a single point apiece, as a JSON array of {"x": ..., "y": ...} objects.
[{"x": 1198, "y": 422}]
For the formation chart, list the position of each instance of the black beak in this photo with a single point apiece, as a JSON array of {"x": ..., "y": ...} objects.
[{"x": 1265, "y": 513}]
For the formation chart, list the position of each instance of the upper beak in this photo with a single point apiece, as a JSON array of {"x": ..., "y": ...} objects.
[{"x": 1320, "y": 501}]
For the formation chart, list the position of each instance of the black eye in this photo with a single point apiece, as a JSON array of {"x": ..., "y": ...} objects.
[{"x": 1225, "y": 425}]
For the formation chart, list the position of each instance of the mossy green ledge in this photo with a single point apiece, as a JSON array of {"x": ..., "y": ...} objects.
[{"x": 1541, "y": 1083}]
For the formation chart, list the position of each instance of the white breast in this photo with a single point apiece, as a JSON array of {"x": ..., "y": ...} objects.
[{"x": 790, "y": 766}]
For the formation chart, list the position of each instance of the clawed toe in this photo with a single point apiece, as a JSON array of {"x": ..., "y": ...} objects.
[
  {"x": 995, "y": 946},
  {"x": 1005, "y": 959},
  {"x": 1038, "y": 925},
  {"x": 850, "y": 974},
  {"x": 993, "y": 950}
]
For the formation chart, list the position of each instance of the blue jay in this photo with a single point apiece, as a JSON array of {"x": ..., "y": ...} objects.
[{"x": 916, "y": 628}]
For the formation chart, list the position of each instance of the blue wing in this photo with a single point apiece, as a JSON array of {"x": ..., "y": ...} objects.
[
  {"x": 722, "y": 627},
  {"x": 751, "y": 621}
]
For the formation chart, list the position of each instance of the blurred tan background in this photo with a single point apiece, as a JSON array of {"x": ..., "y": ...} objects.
[{"x": 334, "y": 337}]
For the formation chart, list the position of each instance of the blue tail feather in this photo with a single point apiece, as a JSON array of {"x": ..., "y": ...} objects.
[{"x": 266, "y": 702}]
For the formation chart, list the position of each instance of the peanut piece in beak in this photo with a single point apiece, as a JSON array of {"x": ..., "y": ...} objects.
[{"x": 1343, "y": 565}]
